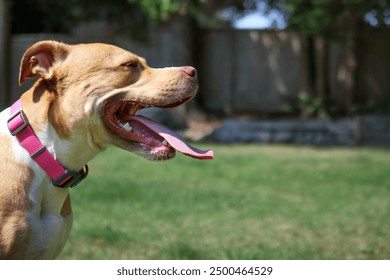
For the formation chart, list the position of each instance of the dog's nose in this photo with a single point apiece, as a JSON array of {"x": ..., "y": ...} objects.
[{"x": 190, "y": 71}]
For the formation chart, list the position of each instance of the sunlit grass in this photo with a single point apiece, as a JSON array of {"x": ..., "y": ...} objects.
[{"x": 250, "y": 202}]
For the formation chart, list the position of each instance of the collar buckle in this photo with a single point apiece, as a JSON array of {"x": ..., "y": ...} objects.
[
  {"x": 17, "y": 122},
  {"x": 70, "y": 178}
]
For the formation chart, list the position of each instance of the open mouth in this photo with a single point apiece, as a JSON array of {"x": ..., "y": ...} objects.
[{"x": 158, "y": 141}]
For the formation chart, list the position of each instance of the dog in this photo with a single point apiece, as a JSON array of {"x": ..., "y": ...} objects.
[{"x": 86, "y": 98}]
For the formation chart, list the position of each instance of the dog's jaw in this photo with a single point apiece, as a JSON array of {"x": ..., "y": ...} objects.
[
  {"x": 164, "y": 88},
  {"x": 130, "y": 132}
]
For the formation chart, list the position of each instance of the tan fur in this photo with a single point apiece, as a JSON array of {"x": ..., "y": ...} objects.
[
  {"x": 65, "y": 107},
  {"x": 14, "y": 228}
]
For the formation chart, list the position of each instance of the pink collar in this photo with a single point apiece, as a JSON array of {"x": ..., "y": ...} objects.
[{"x": 19, "y": 126}]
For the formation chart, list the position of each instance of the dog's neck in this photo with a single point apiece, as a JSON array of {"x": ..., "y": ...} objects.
[{"x": 70, "y": 144}]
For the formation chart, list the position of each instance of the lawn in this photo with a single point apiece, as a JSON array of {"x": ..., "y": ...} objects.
[{"x": 250, "y": 202}]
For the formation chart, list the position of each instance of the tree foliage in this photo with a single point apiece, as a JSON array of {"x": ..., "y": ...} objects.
[
  {"x": 326, "y": 16},
  {"x": 310, "y": 16},
  {"x": 62, "y": 16}
]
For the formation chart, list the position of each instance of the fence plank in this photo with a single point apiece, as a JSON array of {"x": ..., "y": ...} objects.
[{"x": 216, "y": 73}]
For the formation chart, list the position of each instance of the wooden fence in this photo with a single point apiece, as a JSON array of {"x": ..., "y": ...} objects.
[
  {"x": 241, "y": 71},
  {"x": 263, "y": 72},
  {"x": 251, "y": 71}
]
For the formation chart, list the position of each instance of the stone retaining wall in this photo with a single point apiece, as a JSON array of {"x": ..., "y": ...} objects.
[{"x": 361, "y": 130}]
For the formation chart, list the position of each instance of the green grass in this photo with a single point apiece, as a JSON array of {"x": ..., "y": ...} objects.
[{"x": 250, "y": 202}]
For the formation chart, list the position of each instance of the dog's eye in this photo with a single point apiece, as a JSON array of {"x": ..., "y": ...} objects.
[{"x": 131, "y": 64}]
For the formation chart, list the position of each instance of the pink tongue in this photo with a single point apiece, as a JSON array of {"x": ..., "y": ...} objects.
[{"x": 174, "y": 139}]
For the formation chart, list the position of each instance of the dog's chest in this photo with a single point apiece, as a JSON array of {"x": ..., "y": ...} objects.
[
  {"x": 46, "y": 230},
  {"x": 50, "y": 233}
]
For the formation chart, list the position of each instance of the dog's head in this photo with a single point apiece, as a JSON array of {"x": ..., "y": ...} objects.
[{"x": 99, "y": 88}]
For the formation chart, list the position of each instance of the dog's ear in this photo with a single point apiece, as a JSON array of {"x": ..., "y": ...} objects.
[{"x": 40, "y": 58}]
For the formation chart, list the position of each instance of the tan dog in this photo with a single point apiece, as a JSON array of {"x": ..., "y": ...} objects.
[{"x": 84, "y": 100}]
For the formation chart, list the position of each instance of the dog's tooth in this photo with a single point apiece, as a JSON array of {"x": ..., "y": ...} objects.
[
  {"x": 126, "y": 126},
  {"x": 165, "y": 142}
]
